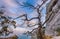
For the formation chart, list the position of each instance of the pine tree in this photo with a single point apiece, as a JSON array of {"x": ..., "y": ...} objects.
[{"x": 5, "y": 24}]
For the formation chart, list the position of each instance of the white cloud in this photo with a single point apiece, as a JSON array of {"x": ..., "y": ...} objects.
[
  {"x": 20, "y": 30},
  {"x": 9, "y": 3}
]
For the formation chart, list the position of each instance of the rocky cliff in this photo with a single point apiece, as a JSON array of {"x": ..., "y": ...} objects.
[
  {"x": 13, "y": 37},
  {"x": 53, "y": 13}
]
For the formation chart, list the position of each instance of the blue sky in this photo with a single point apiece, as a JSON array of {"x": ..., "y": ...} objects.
[{"x": 14, "y": 10}]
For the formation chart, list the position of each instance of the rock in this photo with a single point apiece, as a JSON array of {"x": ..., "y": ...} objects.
[
  {"x": 54, "y": 20},
  {"x": 13, "y": 37},
  {"x": 57, "y": 37}
]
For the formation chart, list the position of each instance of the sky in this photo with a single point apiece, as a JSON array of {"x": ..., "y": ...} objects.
[{"x": 14, "y": 10}]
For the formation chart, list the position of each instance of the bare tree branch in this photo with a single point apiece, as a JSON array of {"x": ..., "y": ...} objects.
[
  {"x": 32, "y": 25},
  {"x": 19, "y": 16},
  {"x": 47, "y": 19},
  {"x": 33, "y": 18}
]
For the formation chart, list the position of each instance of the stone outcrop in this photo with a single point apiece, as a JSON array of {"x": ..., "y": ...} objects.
[
  {"x": 13, "y": 37},
  {"x": 53, "y": 13},
  {"x": 57, "y": 37}
]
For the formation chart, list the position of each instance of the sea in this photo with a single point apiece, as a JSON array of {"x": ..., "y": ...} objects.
[{"x": 24, "y": 37}]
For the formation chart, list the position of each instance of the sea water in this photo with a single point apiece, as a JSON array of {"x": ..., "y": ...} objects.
[{"x": 24, "y": 37}]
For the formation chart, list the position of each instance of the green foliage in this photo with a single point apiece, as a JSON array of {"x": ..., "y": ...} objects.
[
  {"x": 58, "y": 30},
  {"x": 5, "y": 22},
  {"x": 13, "y": 22}
]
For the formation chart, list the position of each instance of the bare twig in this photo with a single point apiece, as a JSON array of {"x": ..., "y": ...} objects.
[{"x": 19, "y": 16}]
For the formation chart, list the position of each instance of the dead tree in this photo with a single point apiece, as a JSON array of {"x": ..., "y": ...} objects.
[{"x": 37, "y": 8}]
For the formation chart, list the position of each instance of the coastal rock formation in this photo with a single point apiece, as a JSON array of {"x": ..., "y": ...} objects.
[
  {"x": 13, "y": 37},
  {"x": 53, "y": 13}
]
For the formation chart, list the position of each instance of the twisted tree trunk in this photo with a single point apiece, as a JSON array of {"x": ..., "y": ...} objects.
[{"x": 39, "y": 33}]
